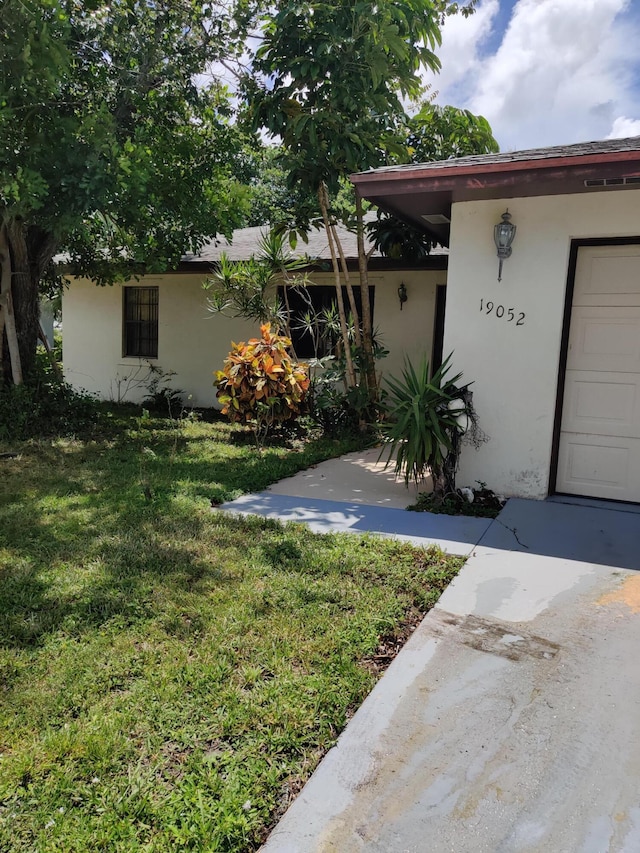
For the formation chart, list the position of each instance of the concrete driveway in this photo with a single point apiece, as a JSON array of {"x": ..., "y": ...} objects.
[{"x": 510, "y": 721}]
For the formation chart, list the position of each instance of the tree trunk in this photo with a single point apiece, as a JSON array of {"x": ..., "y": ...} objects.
[
  {"x": 347, "y": 281},
  {"x": 287, "y": 322},
  {"x": 13, "y": 370},
  {"x": 2, "y": 315},
  {"x": 24, "y": 290},
  {"x": 26, "y": 253},
  {"x": 322, "y": 199},
  {"x": 444, "y": 481},
  {"x": 367, "y": 329}
]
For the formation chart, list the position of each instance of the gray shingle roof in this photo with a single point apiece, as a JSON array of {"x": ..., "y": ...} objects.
[
  {"x": 581, "y": 149},
  {"x": 245, "y": 242}
]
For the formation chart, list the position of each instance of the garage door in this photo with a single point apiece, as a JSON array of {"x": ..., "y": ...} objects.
[{"x": 599, "y": 453}]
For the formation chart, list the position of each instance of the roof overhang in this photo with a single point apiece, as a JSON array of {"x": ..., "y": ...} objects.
[{"x": 427, "y": 190}]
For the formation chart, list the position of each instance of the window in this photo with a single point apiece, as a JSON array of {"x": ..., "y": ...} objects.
[
  {"x": 322, "y": 297},
  {"x": 140, "y": 332}
]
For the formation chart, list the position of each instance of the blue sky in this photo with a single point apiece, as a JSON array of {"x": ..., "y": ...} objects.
[{"x": 545, "y": 72}]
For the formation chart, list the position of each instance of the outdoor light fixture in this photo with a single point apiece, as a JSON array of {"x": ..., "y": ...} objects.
[
  {"x": 402, "y": 294},
  {"x": 503, "y": 234}
]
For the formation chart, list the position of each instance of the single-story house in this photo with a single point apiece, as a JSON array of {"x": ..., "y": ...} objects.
[
  {"x": 111, "y": 335},
  {"x": 553, "y": 349}
]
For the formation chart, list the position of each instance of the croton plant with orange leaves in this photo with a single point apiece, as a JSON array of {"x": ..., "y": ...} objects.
[{"x": 260, "y": 384}]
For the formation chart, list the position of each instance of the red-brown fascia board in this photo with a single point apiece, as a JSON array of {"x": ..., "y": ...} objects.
[{"x": 479, "y": 176}]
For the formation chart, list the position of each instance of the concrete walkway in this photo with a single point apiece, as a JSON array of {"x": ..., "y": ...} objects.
[
  {"x": 357, "y": 494},
  {"x": 510, "y": 721}
]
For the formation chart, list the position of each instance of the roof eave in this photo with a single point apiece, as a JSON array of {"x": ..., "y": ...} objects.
[
  {"x": 411, "y": 193},
  {"x": 451, "y": 170}
]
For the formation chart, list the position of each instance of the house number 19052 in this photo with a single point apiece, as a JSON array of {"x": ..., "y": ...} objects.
[{"x": 509, "y": 314}]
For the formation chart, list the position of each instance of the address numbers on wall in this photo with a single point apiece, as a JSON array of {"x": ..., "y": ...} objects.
[{"x": 501, "y": 312}]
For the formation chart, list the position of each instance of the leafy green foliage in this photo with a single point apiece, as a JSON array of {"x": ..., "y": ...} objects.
[
  {"x": 142, "y": 166},
  {"x": 397, "y": 239},
  {"x": 329, "y": 408},
  {"x": 333, "y": 79},
  {"x": 272, "y": 201},
  {"x": 433, "y": 133},
  {"x": 260, "y": 384},
  {"x": 46, "y": 407},
  {"x": 111, "y": 152},
  {"x": 332, "y": 407},
  {"x": 172, "y": 675},
  {"x": 335, "y": 74},
  {"x": 422, "y": 423},
  {"x": 249, "y": 289},
  {"x": 442, "y": 132}
]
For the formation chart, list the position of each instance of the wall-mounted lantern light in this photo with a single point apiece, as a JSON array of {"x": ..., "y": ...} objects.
[
  {"x": 503, "y": 234},
  {"x": 402, "y": 294}
]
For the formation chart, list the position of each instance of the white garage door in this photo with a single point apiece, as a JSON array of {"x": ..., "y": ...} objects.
[{"x": 599, "y": 452}]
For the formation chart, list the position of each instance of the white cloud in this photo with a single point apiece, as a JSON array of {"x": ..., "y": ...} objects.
[
  {"x": 562, "y": 73},
  {"x": 459, "y": 51},
  {"x": 623, "y": 127}
]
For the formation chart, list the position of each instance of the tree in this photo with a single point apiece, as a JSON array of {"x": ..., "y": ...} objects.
[
  {"x": 111, "y": 151},
  {"x": 272, "y": 201},
  {"x": 433, "y": 133},
  {"x": 440, "y": 133},
  {"x": 334, "y": 76}
]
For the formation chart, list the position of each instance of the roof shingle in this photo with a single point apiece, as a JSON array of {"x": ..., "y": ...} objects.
[
  {"x": 581, "y": 149},
  {"x": 245, "y": 243}
]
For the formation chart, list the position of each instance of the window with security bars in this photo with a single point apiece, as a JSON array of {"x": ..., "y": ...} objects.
[{"x": 141, "y": 322}]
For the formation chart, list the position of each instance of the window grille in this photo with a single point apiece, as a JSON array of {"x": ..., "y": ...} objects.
[{"x": 141, "y": 322}]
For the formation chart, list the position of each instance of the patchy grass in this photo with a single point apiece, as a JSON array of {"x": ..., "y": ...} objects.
[{"x": 169, "y": 675}]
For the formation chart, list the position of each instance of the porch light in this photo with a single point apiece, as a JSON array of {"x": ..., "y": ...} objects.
[
  {"x": 402, "y": 294},
  {"x": 503, "y": 234}
]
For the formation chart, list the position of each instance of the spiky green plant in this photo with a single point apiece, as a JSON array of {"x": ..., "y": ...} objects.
[
  {"x": 421, "y": 429},
  {"x": 249, "y": 288}
]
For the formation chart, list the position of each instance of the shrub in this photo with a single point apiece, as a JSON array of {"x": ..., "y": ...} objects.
[
  {"x": 45, "y": 407},
  {"x": 260, "y": 385},
  {"x": 161, "y": 397},
  {"x": 329, "y": 409}
]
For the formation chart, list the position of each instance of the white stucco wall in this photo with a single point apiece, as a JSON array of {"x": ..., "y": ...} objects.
[
  {"x": 191, "y": 341},
  {"x": 410, "y": 330},
  {"x": 515, "y": 368},
  {"x": 194, "y": 343},
  {"x": 46, "y": 318}
]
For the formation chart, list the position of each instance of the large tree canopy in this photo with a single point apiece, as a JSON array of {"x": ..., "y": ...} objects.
[
  {"x": 113, "y": 149},
  {"x": 439, "y": 133},
  {"x": 331, "y": 79},
  {"x": 120, "y": 147},
  {"x": 433, "y": 133}
]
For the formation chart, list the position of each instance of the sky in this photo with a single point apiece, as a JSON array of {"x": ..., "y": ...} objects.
[{"x": 545, "y": 72}]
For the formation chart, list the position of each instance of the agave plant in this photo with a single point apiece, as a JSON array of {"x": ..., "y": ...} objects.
[{"x": 425, "y": 418}]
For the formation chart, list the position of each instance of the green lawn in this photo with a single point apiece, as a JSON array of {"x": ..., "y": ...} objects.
[{"x": 169, "y": 675}]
